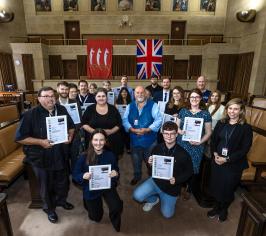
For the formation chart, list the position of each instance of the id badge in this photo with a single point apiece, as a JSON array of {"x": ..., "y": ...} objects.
[
  {"x": 225, "y": 152},
  {"x": 136, "y": 122}
]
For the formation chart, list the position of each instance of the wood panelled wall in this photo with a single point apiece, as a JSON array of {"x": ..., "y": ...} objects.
[
  {"x": 234, "y": 72},
  {"x": 125, "y": 64},
  {"x": 28, "y": 67},
  {"x": 7, "y": 70}
]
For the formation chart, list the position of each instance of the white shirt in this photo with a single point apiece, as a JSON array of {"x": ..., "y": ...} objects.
[
  {"x": 167, "y": 94},
  {"x": 217, "y": 115}
]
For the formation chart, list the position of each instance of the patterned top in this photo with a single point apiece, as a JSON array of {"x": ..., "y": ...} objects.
[{"x": 195, "y": 151}]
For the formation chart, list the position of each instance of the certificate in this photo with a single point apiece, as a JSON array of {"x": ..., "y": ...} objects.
[
  {"x": 111, "y": 98},
  {"x": 161, "y": 106},
  {"x": 84, "y": 107},
  {"x": 56, "y": 127},
  {"x": 121, "y": 109},
  {"x": 162, "y": 167},
  {"x": 72, "y": 109},
  {"x": 167, "y": 117},
  {"x": 193, "y": 129},
  {"x": 100, "y": 177}
]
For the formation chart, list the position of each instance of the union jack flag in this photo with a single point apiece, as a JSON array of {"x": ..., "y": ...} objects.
[{"x": 149, "y": 57}]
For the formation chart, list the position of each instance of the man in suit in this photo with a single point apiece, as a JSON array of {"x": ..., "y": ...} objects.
[{"x": 165, "y": 94}]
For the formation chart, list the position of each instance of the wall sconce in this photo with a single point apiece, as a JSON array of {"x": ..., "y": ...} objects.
[
  {"x": 6, "y": 17},
  {"x": 125, "y": 22},
  {"x": 246, "y": 16}
]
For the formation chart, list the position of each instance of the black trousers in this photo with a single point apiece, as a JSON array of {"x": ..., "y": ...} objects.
[
  {"x": 54, "y": 186},
  {"x": 114, "y": 203}
]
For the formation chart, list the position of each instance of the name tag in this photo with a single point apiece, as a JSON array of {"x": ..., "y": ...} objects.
[
  {"x": 136, "y": 122},
  {"x": 225, "y": 152}
]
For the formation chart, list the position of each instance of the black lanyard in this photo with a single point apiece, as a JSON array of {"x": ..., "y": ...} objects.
[{"x": 228, "y": 136}]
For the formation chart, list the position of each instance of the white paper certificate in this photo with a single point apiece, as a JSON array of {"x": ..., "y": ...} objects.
[
  {"x": 167, "y": 117},
  {"x": 193, "y": 129},
  {"x": 162, "y": 167},
  {"x": 121, "y": 109},
  {"x": 56, "y": 127},
  {"x": 111, "y": 98},
  {"x": 84, "y": 107},
  {"x": 100, "y": 178},
  {"x": 161, "y": 106},
  {"x": 72, "y": 109}
]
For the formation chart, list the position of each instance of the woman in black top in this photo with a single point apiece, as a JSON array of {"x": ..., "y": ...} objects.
[
  {"x": 105, "y": 116},
  {"x": 176, "y": 102},
  {"x": 231, "y": 141},
  {"x": 124, "y": 98}
]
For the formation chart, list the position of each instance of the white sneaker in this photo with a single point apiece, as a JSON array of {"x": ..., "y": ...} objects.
[{"x": 148, "y": 206}]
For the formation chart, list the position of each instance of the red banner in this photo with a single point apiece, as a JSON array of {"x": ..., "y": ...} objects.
[{"x": 99, "y": 63}]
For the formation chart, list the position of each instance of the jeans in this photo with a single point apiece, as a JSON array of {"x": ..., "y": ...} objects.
[
  {"x": 148, "y": 191},
  {"x": 138, "y": 154}
]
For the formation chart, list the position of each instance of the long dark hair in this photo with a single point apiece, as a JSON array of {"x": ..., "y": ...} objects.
[
  {"x": 202, "y": 104},
  {"x": 119, "y": 99},
  {"x": 171, "y": 102},
  {"x": 91, "y": 154},
  {"x": 218, "y": 104}
]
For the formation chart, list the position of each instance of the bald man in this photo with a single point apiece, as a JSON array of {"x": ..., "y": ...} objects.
[
  {"x": 201, "y": 84},
  {"x": 142, "y": 119}
]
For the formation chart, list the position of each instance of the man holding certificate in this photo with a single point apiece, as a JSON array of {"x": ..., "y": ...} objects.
[
  {"x": 44, "y": 131},
  {"x": 171, "y": 166},
  {"x": 97, "y": 172}
]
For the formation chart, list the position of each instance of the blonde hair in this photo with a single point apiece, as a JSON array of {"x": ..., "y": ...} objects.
[{"x": 242, "y": 113}]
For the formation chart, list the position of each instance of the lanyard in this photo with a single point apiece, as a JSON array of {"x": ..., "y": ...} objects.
[
  {"x": 55, "y": 112},
  {"x": 85, "y": 99},
  {"x": 228, "y": 136}
]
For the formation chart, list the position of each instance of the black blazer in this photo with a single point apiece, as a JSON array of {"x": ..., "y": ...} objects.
[
  {"x": 158, "y": 96},
  {"x": 238, "y": 145}
]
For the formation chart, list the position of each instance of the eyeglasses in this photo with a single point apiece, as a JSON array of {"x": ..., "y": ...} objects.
[
  {"x": 195, "y": 98},
  {"x": 47, "y": 96},
  {"x": 170, "y": 134}
]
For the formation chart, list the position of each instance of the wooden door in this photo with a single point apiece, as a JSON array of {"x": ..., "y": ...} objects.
[
  {"x": 72, "y": 32},
  {"x": 70, "y": 69},
  {"x": 178, "y": 31},
  {"x": 180, "y": 69}
]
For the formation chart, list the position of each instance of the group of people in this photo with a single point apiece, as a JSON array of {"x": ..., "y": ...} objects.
[{"x": 142, "y": 131}]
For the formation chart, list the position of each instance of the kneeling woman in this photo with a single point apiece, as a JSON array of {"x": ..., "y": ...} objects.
[
  {"x": 97, "y": 155},
  {"x": 231, "y": 141}
]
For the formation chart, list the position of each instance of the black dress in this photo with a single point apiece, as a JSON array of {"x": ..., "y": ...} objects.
[
  {"x": 108, "y": 121},
  {"x": 172, "y": 111},
  {"x": 226, "y": 177}
]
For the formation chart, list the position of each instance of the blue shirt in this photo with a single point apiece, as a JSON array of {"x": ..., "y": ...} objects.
[{"x": 155, "y": 126}]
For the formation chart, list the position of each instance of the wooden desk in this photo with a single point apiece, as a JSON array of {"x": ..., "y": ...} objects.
[
  {"x": 253, "y": 215},
  {"x": 5, "y": 224}
]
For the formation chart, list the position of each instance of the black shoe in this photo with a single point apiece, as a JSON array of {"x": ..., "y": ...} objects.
[
  {"x": 223, "y": 215},
  {"x": 134, "y": 181},
  {"x": 52, "y": 216},
  {"x": 66, "y": 206},
  {"x": 214, "y": 212}
]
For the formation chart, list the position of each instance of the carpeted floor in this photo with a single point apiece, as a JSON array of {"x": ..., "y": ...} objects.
[{"x": 190, "y": 219}]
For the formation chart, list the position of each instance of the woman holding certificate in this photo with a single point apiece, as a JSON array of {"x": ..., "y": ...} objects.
[
  {"x": 194, "y": 124},
  {"x": 97, "y": 172},
  {"x": 105, "y": 116},
  {"x": 231, "y": 141}
]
